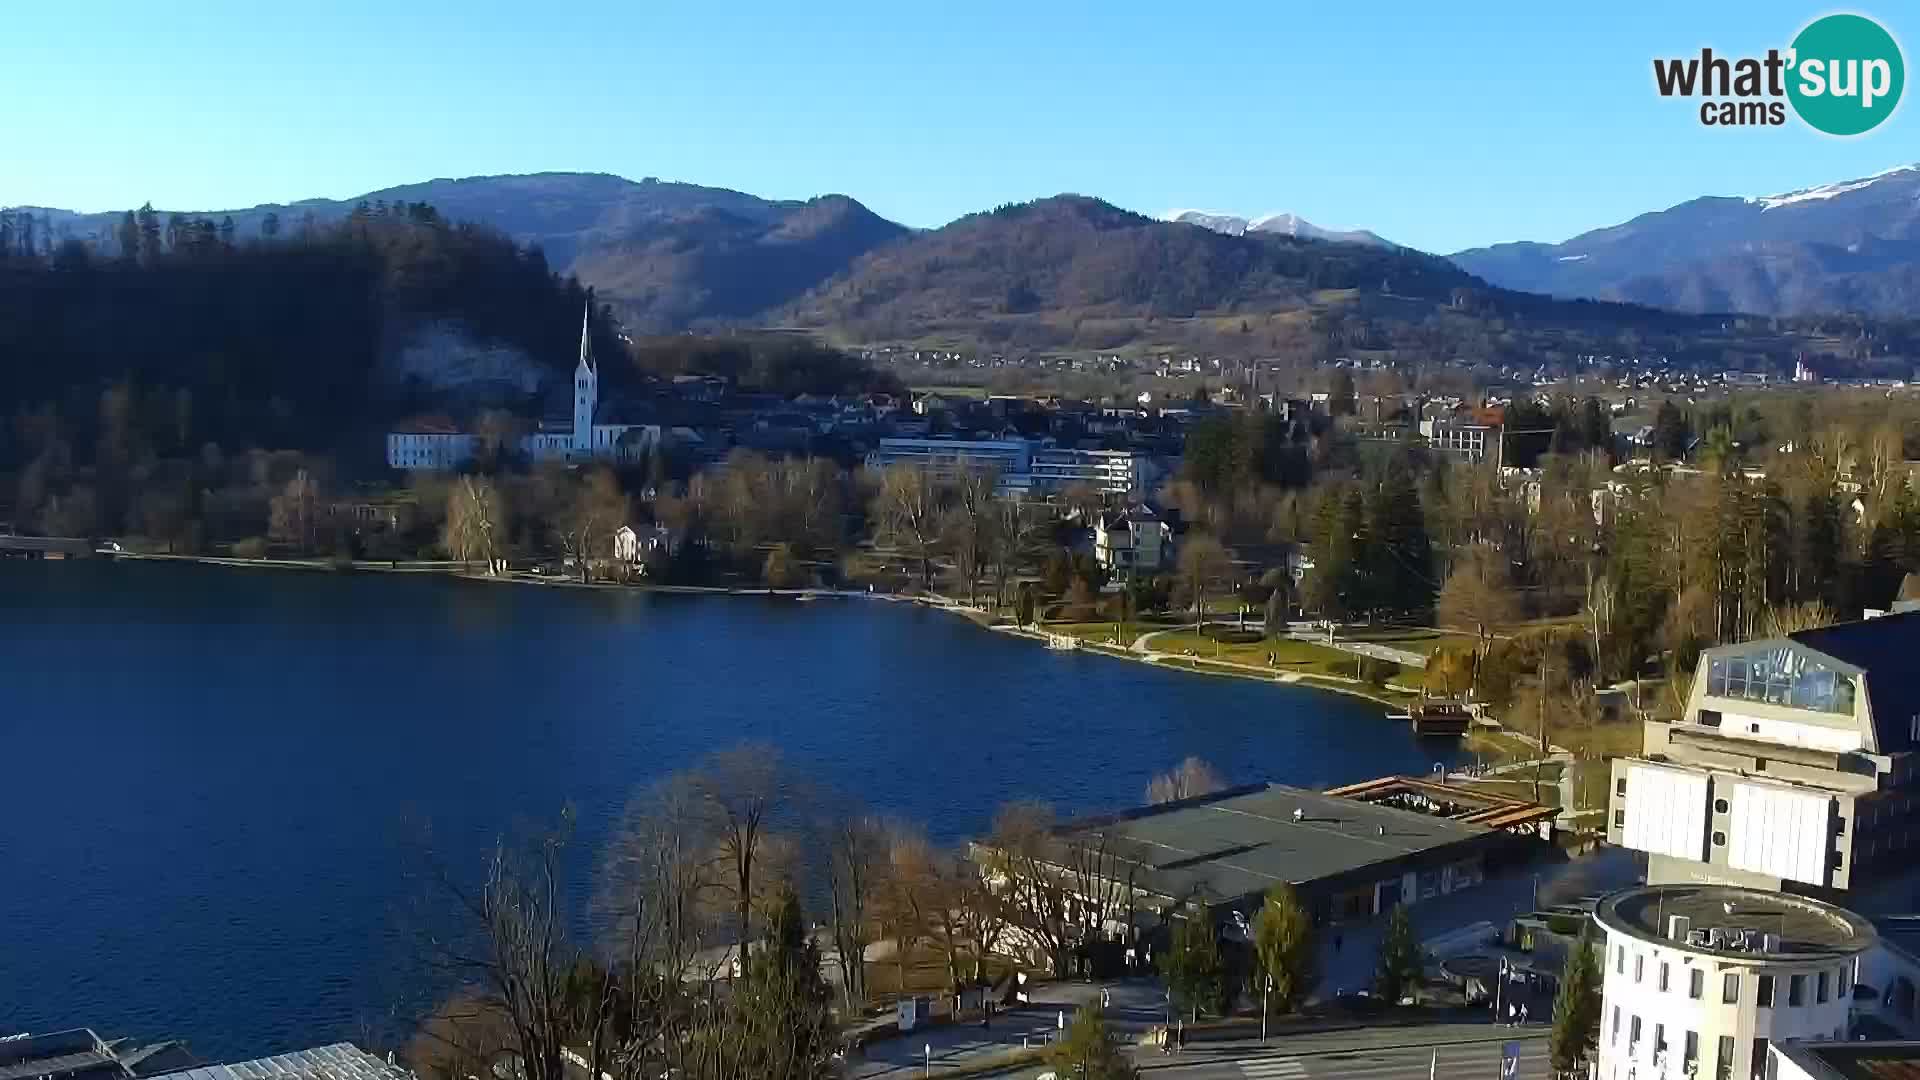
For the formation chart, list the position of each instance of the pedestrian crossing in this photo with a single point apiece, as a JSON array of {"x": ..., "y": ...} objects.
[{"x": 1285, "y": 1068}]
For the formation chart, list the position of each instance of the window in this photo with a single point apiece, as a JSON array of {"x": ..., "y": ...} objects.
[
  {"x": 1614, "y": 1038},
  {"x": 1723, "y": 1064},
  {"x": 1639, "y": 967},
  {"x": 1633, "y": 1037},
  {"x": 1839, "y": 826},
  {"x": 1620, "y": 961},
  {"x": 1719, "y": 806},
  {"x": 1659, "y": 1041},
  {"x": 1696, "y": 983},
  {"x": 1690, "y": 1053},
  {"x": 1796, "y": 991},
  {"x": 1620, "y": 786},
  {"x": 1820, "y": 990},
  {"x": 1836, "y": 860},
  {"x": 1620, "y": 819},
  {"x": 1845, "y": 982},
  {"x": 1764, "y": 997},
  {"x": 1730, "y": 988},
  {"x": 1719, "y": 838},
  {"x": 1664, "y": 983}
]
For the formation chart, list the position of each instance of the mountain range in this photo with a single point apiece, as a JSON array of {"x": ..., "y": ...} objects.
[
  {"x": 675, "y": 256},
  {"x": 1278, "y": 224},
  {"x": 1851, "y": 246}
]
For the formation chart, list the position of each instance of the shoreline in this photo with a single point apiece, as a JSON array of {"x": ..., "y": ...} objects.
[{"x": 978, "y": 618}]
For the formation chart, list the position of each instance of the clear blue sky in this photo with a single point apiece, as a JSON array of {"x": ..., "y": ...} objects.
[{"x": 1437, "y": 125}]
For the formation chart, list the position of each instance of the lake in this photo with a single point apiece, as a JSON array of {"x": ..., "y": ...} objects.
[{"x": 214, "y": 779}]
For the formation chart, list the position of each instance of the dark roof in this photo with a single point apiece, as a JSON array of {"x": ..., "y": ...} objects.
[
  {"x": 1240, "y": 842},
  {"x": 1885, "y": 648},
  {"x": 1803, "y": 927},
  {"x": 79, "y": 1054},
  {"x": 1898, "y": 1060}
]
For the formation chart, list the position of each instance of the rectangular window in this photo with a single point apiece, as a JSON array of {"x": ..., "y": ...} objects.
[
  {"x": 1664, "y": 981},
  {"x": 1615, "y": 1036},
  {"x": 1696, "y": 983},
  {"x": 1620, "y": 786},
  {"x": 1820, "y": 989},
  {"x": 1796, "y": 991},
  {"x": 1620, "y": 819},
  {"x": 1846, "y": 981},
  {"x": 1639, "y": 967},
  {"x": 1633, "y": 1037},
  {"x": 1659, "y": 1040},
  {"x": 1765, "y": 994},
  {"x": 1723, "y": 1064},
  {"x": 1690, "y": 1053},
  {"x": 1758, "y": 1065},
  {"x": 1730, "y": 988},
  {"x": 1620, "y": 961}
]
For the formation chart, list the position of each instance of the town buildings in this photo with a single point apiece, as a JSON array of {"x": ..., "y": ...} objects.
[
  {"x": 1024, "y": 467},
  {"x": 1702, "y": 980},
  {"x": 1793, "y": 767},
  {"x": 1132, "y": 540},
  {"x": 588, "y": 433},
  {"x": 1352, "y": 856}
]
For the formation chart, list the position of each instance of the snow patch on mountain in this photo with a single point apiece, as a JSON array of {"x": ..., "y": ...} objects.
[
  {"x": 1826, "y": 191},
  {"x": 1280, "y": 224}
]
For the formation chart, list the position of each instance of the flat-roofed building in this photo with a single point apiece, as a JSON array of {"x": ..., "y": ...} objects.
[
  {"x": 1793, "y": 767},
  {"x": 1879, "y": 1060},
  {"x": 1702, "y": 980}
]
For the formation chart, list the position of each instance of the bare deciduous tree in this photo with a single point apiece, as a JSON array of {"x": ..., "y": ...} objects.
[
  {"x": 1186, "y": 780},
  {"x": 908, "y": 513}
]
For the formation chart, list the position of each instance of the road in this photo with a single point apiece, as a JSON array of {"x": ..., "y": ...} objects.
[{"x": 1477, "y": 1061}]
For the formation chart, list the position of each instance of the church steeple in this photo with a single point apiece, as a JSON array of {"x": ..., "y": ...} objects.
[
  {"x": 586, "y": 388},
  {"x": 586, "y": 337}
]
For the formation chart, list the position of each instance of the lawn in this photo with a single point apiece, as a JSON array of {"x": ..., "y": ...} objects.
[{"x": 1297, "y": 657}]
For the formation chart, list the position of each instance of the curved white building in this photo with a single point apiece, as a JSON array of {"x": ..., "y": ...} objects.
[{"x": 1701, "y": 979}]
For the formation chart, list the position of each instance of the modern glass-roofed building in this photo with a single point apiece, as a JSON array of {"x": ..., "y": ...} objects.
[{"x": 1793, "y": 768}]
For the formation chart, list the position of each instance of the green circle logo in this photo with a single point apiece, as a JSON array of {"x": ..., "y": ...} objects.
[{"x": 1847, "y": 74}]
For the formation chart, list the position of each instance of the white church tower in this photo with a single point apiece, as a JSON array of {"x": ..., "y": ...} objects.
[{"x": 586, "y": 391}]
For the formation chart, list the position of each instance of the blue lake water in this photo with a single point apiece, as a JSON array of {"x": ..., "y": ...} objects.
[{"x": 213, "y": 781}]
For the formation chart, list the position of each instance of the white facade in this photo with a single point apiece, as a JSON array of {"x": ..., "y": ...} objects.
[
  {"x": 1024, "y": 467},
  {"x": 1708, "y": 992},
  {"x": 1135, "y": 540},
  {"x": 584, "y": 440}
]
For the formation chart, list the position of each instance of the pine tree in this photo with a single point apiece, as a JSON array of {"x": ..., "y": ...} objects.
[
  {"x": 1576, "y": 1010},
  {"x": 1400, "y": 577},
  {"x": 781, "y": 1009},
  {"x": 1400, "y": 965}
]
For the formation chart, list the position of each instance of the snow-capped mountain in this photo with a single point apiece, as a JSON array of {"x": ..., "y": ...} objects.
[
  {"x": 1282, "y": 224},
  {"x": 1850, "y": 245}
]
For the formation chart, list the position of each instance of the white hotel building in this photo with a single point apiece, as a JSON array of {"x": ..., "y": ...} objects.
[
  {"x": 1025, "y": 467},
  {"x": 1702, "y": 980},
  {"x": 1793, "y": 768}
]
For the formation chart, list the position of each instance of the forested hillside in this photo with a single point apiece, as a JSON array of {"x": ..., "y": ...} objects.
[{"x": 192, "y": 344}]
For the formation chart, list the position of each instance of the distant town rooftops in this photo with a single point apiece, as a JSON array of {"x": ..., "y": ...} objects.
[{"x": 1749, "y": 922}]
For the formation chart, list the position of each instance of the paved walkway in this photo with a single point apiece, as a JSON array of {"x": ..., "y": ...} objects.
[
  {"x": 1362, "y": 648},
  {"x": 1137, "y": 1002}
]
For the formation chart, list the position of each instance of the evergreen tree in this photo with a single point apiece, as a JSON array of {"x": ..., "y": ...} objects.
[
  {"x": 1400, "y": 967},
  {"x": 1192, "y": 966},
  {"x": 781, "y": 1008},
  {"x": 1400, "y": 575},
  {"x": 1576, "y": 1010},
  {"x": 1671, "y": 432},
  {"x": 1596, "y": 427},
  {"x": 1334, "y": 588}
]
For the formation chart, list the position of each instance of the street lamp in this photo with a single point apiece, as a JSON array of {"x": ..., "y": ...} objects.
[{"x": 1264, "y": 995}]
